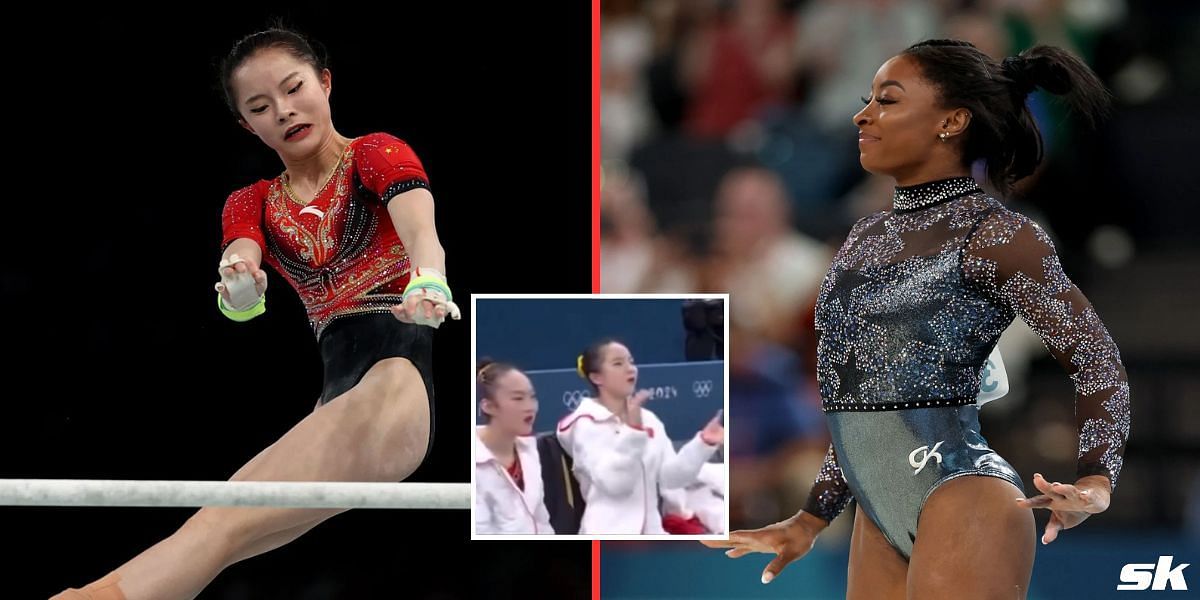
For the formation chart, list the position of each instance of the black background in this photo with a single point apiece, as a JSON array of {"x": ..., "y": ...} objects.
[{"x": 120, "y": 155}]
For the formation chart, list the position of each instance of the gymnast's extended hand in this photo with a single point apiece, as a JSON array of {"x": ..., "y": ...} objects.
[
  {"x": 237, "y": 274},
  {"x": 1069, "y": 504},
  {"x": 788, "y": 540},
  {"x": 427, "y": 300}
]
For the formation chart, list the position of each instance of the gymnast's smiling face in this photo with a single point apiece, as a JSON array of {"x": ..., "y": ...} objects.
[
  {"x": 512, "y": 404},
  {"x": 284, "y": 101},
  {"x": 899, "y": 126}
]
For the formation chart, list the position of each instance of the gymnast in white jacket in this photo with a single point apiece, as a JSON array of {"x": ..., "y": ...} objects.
[
  {"x": 508, "y": 473},
  {"x": 621, "y": 451}
]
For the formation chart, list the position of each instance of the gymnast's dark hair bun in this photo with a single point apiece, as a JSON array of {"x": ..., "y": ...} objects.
[{"x": 1002, "y": 131}]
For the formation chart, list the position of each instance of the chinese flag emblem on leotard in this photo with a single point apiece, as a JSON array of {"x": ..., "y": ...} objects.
[{"x": 394, "y": 154}]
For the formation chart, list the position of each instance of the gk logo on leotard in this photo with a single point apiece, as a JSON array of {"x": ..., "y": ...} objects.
[
  {"x": 912, "y": 457},
  {"x": 314, "y": 210}
]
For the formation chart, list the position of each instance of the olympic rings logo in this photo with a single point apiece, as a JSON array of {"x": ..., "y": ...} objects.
[
  {"x": 572, "y": 398},
  {"x": 701, "y": 388}
]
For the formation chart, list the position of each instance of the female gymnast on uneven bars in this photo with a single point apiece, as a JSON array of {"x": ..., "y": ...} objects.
[{"x": 349, "y": 224}]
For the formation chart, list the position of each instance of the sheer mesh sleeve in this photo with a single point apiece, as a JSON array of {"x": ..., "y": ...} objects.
[
  {"x": 1013, "y": 260},
  {"x": 830, "y": 494}
]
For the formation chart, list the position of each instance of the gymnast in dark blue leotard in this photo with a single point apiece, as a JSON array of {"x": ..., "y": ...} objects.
[{"x": 913, "y": 304}]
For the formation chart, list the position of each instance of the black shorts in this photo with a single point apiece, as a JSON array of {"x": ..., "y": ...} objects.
[{"x": 351, "y": 345}]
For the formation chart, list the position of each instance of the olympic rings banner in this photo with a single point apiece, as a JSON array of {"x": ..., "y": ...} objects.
[{"x": 684, "y": 395}]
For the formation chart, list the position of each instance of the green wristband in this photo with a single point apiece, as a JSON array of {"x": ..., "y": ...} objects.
[
  {"x": 242, "y": 316},
  {"x": 433, "y": 282}
]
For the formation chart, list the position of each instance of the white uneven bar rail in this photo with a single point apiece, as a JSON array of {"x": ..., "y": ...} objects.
[{"x": 281, "y": 494}]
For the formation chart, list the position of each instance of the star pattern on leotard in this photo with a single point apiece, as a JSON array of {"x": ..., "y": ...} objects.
[{"x": 915, "y": 300}]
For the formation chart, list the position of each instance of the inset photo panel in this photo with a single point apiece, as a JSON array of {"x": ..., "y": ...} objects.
[{"x": 600, "y": 416}]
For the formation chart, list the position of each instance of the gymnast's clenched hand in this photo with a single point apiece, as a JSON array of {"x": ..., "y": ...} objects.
[
  {"x": 421, "y": 303},
  {"x": 426, "y": 299},
  {"x": 789, "y": 540},
  {"x": 1069, "y": 504}
]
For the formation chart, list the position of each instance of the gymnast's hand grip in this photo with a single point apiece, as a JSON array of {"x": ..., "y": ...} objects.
[
  {"x": 426, "y": 300},
  {"x": 238, "y": 288}
]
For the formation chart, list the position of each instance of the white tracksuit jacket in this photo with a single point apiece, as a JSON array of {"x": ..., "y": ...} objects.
[
  {"x": 500, "y": 506},
  {"x": 620, "y": 468}
]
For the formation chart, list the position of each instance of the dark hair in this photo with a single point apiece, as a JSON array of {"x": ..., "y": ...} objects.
[
  {"x": 1002, "y": 131},
  {"x": 486, "y": 374},
  {"x": 278, "y": 36},
  {"x": 591, "y": 359}
]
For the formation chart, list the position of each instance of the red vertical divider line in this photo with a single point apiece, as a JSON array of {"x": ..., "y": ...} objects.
[
  {"x": 595, "y": 569},
  {"x": 596, "y": 173},
  {"x": 595, "y": 218}
]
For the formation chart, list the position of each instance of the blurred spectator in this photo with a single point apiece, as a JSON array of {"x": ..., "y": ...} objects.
[
  {"x": 626, "y": 47},
  {"x": 777, "y": 432},
  {"x": 841, "y": 43},
  {"x": 632, "y": 257},
  {"x": 736, "y": 64},
  {"x": 757, "y": 255}
]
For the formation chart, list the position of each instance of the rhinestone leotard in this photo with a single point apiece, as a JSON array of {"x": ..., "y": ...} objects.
[{"x": 916, "y": 299}]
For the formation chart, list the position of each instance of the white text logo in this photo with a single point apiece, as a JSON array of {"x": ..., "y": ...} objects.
[
  {"x": 912, "y": 457},
  {"x": 1140, "y": 576}
]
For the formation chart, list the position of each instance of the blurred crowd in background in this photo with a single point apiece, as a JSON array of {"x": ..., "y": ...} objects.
[{"x": 730, "y": 165}]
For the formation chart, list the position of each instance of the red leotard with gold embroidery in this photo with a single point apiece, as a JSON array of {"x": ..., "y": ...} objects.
[{"x": 340, "y": 251}]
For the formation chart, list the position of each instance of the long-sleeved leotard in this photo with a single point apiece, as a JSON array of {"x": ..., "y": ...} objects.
[{"x": 918, "y": 296}]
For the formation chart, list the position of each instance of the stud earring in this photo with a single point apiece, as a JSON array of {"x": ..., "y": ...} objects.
[{"x": 943, "y": 135}]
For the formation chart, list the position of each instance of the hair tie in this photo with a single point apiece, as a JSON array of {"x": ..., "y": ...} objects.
[
  {"x": 1018, "y": 69},
  {"x": 483, "y": 372},
  {"x": 579, "y": 367}
]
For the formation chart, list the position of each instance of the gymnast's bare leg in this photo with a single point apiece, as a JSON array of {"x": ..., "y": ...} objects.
[
  {"x": 974, "y": 509},
  {"x": 876, "y": 570},
  {"x": 969, "y": 522},
  {"x": 377, "y": 431}
]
